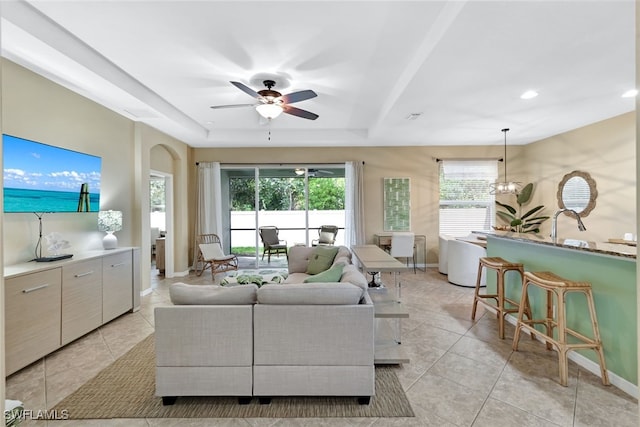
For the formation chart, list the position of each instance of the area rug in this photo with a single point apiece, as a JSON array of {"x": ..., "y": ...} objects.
[{"x": 126, "y": 388}]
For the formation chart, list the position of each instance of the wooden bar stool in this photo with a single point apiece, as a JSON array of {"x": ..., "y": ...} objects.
[
  {"x": 501, "y": 266},
  {"x": 556, "y": 285}
]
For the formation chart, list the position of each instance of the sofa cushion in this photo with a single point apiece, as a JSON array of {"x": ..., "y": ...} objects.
[
  {"x": 331, "y": 275},
  {"x": 343, "y": 252},
  {"x": 350, "y": 274},
  {"x": 310, "y": 294},
  {"x": 321, "y": 259},
  {"x": 184, "y": 294}
]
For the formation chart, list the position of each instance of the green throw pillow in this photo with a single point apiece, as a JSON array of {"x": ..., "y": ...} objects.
[
  {"x": 331, "y": 275},
  {"x": 321, "y": 259}
]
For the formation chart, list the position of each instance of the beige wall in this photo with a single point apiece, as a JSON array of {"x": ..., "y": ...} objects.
[
  {"x": 46, "y": 112},
  {"x": 607, "y": 151},
  {"x": 417, "y": 163}
]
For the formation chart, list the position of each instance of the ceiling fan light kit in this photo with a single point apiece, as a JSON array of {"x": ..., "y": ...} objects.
[
  {"x": 272, "y": 103},
  {"x": 269, "y": 111}
]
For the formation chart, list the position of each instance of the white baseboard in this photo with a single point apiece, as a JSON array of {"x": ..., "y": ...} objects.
[
  {"x": 180, "y": 273},
  {"x": 591, "y": 366},
  {"x": 146, "y": 292}
]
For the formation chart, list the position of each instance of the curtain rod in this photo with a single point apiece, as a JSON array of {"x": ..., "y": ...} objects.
[
  {"x": 439, "y": 159},
  {"x": 275, "y": 164}
]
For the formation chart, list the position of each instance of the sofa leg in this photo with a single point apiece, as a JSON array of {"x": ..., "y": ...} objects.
[
  {"x": 264, "y": 400},
  {"x": 244, "y": 400},
  {"x": 364, "y": 400},
  {"x": 169, "y": 400}
]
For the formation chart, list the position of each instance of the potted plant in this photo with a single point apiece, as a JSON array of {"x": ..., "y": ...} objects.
[{"x": 528, "y": 222}]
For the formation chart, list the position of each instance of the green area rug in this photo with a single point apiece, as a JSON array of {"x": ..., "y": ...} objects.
[{"x": 126, "y": 388}]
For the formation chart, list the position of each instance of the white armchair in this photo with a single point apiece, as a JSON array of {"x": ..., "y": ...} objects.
[{"x": 462, "y": 263}]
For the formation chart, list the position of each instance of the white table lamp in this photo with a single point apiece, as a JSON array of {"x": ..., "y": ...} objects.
[{"x": 110, "y": 222}]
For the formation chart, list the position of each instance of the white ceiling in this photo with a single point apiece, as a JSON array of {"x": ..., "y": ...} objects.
[{"x": 462, "y": 64}]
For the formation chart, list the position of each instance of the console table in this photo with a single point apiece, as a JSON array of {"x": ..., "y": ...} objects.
[
  {"x": 387, "y": 304},
  {"x": 50, "y": 304}
]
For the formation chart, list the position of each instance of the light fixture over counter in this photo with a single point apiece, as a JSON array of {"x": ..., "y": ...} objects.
[{"x": 506, "y": 186}]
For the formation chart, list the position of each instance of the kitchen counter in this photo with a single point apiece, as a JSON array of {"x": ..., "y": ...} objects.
[
  {"x": 600, "y": 248},
  {"x": 611, "y": 270}
]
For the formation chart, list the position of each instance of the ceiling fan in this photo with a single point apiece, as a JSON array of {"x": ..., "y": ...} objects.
[
  {"x": 313, "y": 172},
  {"x": 272, "y": 103}
]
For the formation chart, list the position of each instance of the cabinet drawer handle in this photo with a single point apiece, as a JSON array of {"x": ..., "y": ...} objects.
[
  {"x": 88, "y": 273},
  {"x": 118, "y": 265},
  {"x": 26, "y": 291}
]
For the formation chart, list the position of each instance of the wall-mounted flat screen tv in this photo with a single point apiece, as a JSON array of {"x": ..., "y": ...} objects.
[{"x": 44, "y": 178}]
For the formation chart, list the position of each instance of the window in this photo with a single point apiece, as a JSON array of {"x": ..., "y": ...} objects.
[{"x": 466, "y": 204}]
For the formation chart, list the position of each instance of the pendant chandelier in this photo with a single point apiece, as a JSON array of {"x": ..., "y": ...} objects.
[{"x": 506, "y": 186}]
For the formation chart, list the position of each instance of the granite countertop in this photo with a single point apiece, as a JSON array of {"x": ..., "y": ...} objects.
[{"x": 602, "y": 248}]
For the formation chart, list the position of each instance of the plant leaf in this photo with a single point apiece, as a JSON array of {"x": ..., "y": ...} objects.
[
  {"x": 512, "y": 210},
  {"x": 525, "y": 195},
  {"x": 505, "y": 216},
  {"x": 516, "y": 222},
  {"x": 532, "y": 211}
]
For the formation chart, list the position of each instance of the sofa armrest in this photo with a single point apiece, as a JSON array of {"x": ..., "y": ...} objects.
[{"x": 204, "y": 335}]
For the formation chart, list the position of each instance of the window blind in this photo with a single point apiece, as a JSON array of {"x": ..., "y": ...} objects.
[{"x": 466, "y": 203}]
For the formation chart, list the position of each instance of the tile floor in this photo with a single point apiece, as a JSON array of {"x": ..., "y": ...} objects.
[{"x": 460, "y": 373}]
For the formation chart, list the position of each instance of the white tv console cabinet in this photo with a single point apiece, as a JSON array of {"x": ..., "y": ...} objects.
[{"x": 50, "y": 304}]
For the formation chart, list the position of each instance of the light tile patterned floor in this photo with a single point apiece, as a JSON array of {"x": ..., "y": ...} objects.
[{"x": 460, "y": 373}]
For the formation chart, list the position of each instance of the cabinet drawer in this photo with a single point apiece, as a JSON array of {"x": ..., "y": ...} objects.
[
  {"x": 32, "y": 317},
  {"x": 117, "y": 285},
  {"x": 81, "y": 298}
]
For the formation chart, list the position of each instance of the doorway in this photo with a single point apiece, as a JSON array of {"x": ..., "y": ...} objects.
[
  {"x": 161, "y": 222},
  {"x": 297, "y": 199}
]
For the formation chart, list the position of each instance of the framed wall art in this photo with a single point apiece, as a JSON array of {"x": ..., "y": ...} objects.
[{"x": 397, "y": 204}]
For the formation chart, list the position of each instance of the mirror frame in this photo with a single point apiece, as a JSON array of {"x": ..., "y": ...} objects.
[{"x": 593, "y": 192}]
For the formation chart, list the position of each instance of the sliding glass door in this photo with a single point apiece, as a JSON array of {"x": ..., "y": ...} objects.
[{"x": 295, "y": 199}]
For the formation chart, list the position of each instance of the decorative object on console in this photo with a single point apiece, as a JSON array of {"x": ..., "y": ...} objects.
[
  {"x": 110, "y": 222},
  {"x": 53, "y": 240},
  {"x": 506, "y": 186},
  {"x": 527, "y": 223}
]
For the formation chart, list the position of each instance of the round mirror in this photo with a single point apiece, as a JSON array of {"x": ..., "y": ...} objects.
[{"x": 577, "y": 191}]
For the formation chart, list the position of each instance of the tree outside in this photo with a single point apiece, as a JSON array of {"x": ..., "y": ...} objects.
[{"x": 285, "y": 194}]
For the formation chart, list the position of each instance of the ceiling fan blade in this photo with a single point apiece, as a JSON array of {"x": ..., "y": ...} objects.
[
  {"x": 246, "y": 89},
  {"x": 216, "y": 107},
  {"x": 298, "y": 96},
  {"x": 299, "y": 112}
]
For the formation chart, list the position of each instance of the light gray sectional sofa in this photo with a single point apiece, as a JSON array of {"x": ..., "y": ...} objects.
[{"x": 291, "y": 339}]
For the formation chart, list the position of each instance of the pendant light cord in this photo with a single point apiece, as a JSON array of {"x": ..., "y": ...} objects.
[{"x": 505, "y": 130}]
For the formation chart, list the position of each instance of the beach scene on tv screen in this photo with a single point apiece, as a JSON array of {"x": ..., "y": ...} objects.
[{"x": 43, "y": 178}]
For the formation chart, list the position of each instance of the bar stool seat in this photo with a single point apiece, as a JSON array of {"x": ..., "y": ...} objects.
[
  {"x": 558, "y": 286},
  {"x": 501, "y": 266}
]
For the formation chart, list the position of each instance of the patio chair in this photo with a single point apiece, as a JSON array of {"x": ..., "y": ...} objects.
[
  {"x": 326, "y": 236},
  {"x": 211, "y": 255},
  {"x": 272, "y": 243}
]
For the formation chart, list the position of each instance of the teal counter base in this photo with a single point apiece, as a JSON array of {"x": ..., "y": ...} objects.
[{"x": 614, "y": 287}]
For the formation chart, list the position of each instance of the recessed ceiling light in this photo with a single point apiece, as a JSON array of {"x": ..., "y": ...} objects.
[
  {"x": 630, "y": 93},
  {"x": 413, "y": 116},
  {"x": 529, "y": 94}
]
